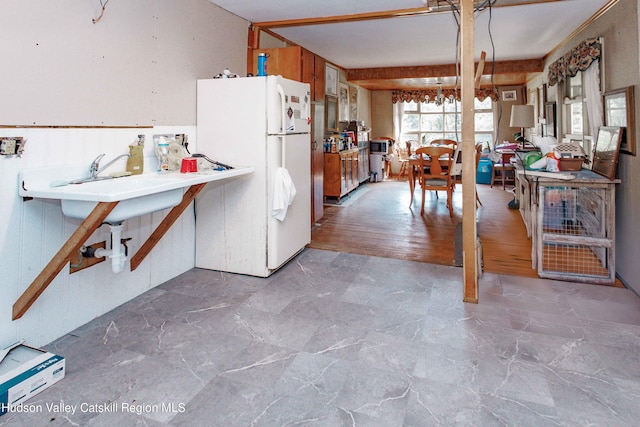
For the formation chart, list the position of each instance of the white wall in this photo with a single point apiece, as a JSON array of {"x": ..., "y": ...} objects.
[{"x": 137, "y": 66}]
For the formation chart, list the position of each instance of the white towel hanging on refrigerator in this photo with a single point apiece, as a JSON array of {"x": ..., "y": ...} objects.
[{"x": 284, "y": 191}]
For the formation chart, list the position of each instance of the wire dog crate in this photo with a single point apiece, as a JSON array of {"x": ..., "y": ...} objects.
[{"x": 575, "y": 233}]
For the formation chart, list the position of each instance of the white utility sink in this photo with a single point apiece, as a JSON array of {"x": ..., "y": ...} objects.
[{"x": 137, "y": 194}]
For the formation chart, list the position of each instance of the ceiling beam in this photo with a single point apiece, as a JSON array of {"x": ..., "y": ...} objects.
[
  {"x": 397, "y": 13},
  {"x": 384, "y": 14},
  {"x": 501, "y": 80},
  {"x": 446, "y": 70}
]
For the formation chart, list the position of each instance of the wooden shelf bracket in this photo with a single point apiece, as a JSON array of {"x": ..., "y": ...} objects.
[
  {"x": 57, "y": 263},
  {"x": 165, "y": 225}
]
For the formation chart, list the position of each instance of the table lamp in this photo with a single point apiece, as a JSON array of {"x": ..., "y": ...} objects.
[{"x": 522, "y": 116}]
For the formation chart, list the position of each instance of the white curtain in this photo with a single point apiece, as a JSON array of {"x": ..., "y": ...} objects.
[
  {"x": 398, "y": 111},
  {"x": 594, "y": 98}
]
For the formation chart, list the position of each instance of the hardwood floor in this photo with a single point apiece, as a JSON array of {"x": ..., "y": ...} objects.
[{"x": 378, "y": 221}]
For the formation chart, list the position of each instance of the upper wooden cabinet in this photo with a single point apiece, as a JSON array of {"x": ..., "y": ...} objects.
[
  {"x": 294, "y": 63},
  {"x": 313, "y": 73}
]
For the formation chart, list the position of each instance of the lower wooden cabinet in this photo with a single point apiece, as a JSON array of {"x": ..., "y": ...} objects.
[
  {"x": 363, "y": 163},
  {"x": 341, "y": 172}
]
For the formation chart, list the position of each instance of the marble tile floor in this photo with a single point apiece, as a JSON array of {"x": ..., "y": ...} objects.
[{"x": 335, "y": 339}]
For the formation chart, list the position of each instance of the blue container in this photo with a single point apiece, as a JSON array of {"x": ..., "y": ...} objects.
[
  {"x": 484, "y": 172},
  {"x": 262, "y": 64}
]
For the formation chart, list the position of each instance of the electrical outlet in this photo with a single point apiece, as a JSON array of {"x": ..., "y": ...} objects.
[{"x": 8, "y": 146}]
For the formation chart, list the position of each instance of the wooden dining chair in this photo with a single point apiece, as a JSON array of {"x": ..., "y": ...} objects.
[
  {"x": 404, "y": 152},
  {"x": 389, "y": 156},
  {"x": 445, "y": 141},
  {"x": 456, "y": 167},
  {"x": 502, "y": 168},
  {"x": 433, "y": 172}
]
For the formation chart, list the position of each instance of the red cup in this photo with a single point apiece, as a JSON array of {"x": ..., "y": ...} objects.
[{"x": 189, "y": 164}]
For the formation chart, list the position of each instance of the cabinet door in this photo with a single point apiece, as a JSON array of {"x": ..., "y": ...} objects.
[
  {"x": 355, "y": 168},
  {"x": 284, "y": 61},
  {"x": 308, "y": 70},
  {"x": 350, "y": 165},
  {"x": 313, "y": 73},
  {"x": 364, "y": 164},
  {"x": 294, "y": 63},
  {"x": 332, "y": 174},
  {"x": 317, "y": 161},
  {"x": 319, "y": 78},
  {"x": 344, "y": 174}
]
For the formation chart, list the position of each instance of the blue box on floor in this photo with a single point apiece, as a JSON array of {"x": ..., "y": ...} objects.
[{"x": 484, "y": 172}]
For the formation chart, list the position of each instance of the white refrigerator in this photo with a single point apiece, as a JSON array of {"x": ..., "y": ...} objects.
[{"x": 262, "y": 122}]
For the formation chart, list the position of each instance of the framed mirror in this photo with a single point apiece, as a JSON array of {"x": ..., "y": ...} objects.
[
  {"x": 331, "y": 114},
  {"x": 330, "y": 80},
  {"x": 605, "y": 152},
  {"x": 343, "y": 101},
  {"x": 619, "y": 106}
]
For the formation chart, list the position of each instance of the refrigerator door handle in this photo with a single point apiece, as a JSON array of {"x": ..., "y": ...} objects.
[
  {"x": 283, "y": 129},
  {"x": 283, "y": 106},
  {"x": 283, "y": 141}
]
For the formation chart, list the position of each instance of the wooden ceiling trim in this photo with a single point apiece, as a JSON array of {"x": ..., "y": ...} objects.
[
  {"x": 446, "y": 70},
  {"x": 384, "y": 14},
  {"x": 410, "y": 72},
  {"x": 515, "y": 79},
  {"x": 397, "y": 13}
]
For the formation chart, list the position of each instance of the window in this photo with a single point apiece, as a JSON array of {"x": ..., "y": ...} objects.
[
  {"x": 426, "y": 122},
  {"x": 484, "y": 121},
  {"x": 576, "y": 122}
]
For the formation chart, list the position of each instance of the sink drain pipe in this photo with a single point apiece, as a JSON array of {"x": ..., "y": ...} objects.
[{"x": 117, "y": 252}]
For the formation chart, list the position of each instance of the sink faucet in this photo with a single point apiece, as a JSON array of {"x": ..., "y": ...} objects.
[{"x": 95, "y": 168}]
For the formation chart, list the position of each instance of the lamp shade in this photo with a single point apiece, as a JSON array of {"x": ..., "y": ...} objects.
[{"x": 522, "y": 116}]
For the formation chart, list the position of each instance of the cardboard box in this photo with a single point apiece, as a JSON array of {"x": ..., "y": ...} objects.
[
  {"x": 26, "y": 371},
  {"x": 571, "y": 164}
]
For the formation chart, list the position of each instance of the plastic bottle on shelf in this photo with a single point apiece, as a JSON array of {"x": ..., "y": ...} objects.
[
  {"x": 135, "y": 162},
  {"x": 163, "y": 157}
]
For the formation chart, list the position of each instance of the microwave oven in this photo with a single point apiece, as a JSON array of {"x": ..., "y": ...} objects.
[{"x": 379, "y": 146}]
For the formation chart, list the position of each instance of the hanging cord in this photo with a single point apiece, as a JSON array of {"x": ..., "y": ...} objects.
[
  {"x": 103, "y": 5},
  {"x": 487, "y": 4},
  {"x": 211, "y": 161},
  {"x": 493, "y": 69},
  {"x": 455, "y": 12}
]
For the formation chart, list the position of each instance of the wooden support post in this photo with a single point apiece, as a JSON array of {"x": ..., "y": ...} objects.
[
  {"x": 57, "y": 263},
  {"x": 253, "y": 42},
  {"x": 469, "y": 232},
  {"x": 164, "y": 226}
]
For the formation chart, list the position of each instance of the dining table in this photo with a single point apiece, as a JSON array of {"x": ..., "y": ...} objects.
[{"x": 414, "y": 164}]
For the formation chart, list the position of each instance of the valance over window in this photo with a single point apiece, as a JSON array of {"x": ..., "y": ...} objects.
[
  {"x": 431, "y": 95},
  {"x": 577, "y": 59}
]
